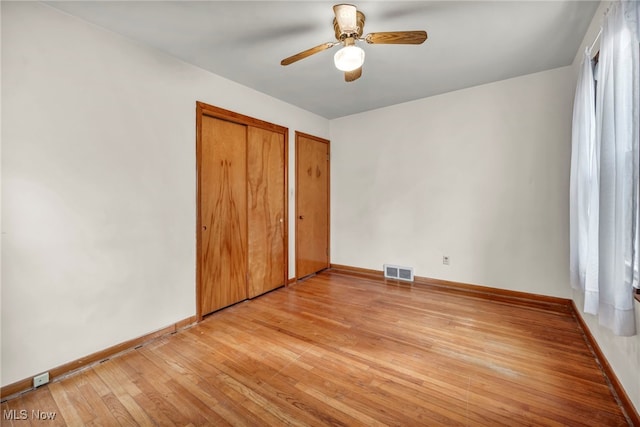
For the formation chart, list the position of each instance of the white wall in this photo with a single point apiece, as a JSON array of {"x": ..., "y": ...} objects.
[
  {"x": 98, "y": 185},
  {"x": 480, "y": 175},
  {"x": 623, "y": 353}
]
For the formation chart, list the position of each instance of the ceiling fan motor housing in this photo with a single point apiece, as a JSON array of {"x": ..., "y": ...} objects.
[{"x": 360, "y": 18}]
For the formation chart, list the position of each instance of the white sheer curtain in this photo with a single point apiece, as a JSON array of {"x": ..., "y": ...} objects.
[
  {"x": 604, "y": 180},
  {"x": 584, "y": 196}
]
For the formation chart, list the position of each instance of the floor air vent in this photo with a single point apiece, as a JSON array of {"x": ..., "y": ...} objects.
[{"x": 399, "y": 273}]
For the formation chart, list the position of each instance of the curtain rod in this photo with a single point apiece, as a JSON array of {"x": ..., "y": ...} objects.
[
  {"x": 595, "y": 40},
  {"x": 606, "y": 12}
]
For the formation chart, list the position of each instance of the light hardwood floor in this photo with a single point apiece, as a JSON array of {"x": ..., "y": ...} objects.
[{"x": 338, "y": 349}]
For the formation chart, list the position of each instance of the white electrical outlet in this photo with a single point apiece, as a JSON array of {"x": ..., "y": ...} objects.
[
  {"x": 41, "y": 379},
  {"x": 445, "y": 260}
]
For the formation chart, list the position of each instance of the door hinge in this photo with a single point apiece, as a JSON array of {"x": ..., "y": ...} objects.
[{"x": 328, "y": 156}]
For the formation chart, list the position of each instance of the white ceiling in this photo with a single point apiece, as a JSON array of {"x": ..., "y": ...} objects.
[{"x": 470, "y": 43}]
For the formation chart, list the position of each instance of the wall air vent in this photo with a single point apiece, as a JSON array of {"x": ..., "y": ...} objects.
[{"x": 398, "y": 273}]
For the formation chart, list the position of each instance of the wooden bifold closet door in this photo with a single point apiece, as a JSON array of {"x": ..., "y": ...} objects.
[{"x": 242, "y": 225}]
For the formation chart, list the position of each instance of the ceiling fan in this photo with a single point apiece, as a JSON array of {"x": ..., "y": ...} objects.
[{"x": 348, "y": 25}]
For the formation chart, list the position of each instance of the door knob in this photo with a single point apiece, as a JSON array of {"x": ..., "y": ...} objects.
[
  {"x": 301, "y": 217},
  {"x": 204, "y": 228}
]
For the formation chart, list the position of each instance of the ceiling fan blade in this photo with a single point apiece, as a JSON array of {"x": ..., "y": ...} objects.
[
  {"x": 350, "y": 76},
  {"x": 397, "y": 37},
  {"x": 306, "y": 53},
  {"x": 346, "y": 18}
]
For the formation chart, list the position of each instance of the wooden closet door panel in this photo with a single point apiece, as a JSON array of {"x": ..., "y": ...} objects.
[
  {"x": 223, "y": 211},
  {"x": 266, "y": 210},
  {"x": 312, "y": 204}
]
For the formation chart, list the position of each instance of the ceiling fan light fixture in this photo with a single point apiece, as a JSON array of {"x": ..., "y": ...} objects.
[{"x": 349, "y": 58}]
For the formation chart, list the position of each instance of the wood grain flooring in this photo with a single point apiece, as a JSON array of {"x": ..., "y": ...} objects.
[{"x": 342, "y": 350}]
